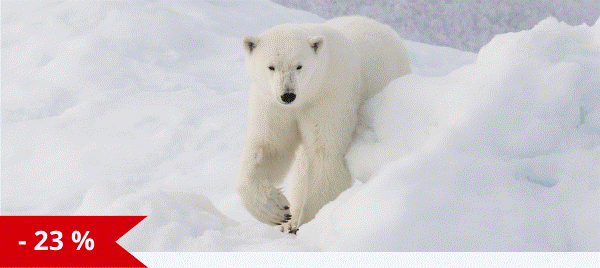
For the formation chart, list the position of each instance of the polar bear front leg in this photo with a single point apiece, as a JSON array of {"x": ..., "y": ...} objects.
[
  {"x": 262, "y": 166},
  {"x": 320, "y": 173},
  {"x": 297, "y": 186},
  {"x": 317, "y": 179},
  {"x": 330, "y": 177}
]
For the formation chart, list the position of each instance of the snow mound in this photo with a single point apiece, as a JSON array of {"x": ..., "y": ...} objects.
[
  {"x": 499, "y": 155},
  {"x": 172, "y": 216},
  {"x": 181, "y": 221}
]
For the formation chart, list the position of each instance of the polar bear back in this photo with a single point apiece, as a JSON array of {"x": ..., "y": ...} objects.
[{"x": 383, "y": 56}]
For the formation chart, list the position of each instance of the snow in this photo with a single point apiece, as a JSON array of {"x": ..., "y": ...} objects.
[{"x": 139, "y": 108}]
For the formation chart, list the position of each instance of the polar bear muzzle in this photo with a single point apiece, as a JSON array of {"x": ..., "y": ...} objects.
[{"x": 287, "y": 98}]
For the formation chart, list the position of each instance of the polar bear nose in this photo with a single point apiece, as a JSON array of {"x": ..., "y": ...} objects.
[{"x": 288, "y": 97}]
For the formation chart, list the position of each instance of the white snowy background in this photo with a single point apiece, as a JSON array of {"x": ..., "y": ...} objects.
[{"x": 140, "y": 108}]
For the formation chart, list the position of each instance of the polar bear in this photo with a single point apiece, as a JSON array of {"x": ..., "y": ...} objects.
[{"x": 307, "y": 83}]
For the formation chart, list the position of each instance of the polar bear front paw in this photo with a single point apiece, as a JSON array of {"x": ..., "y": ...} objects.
[
  {"x": 288, "y": 227},
  {"x": 276, "y": 208},
  {"x": 266, "y": 203}
]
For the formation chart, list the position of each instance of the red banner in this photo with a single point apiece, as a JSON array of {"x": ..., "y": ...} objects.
[{"x": 75, "y": 241}]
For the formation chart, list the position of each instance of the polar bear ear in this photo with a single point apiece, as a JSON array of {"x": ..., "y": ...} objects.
[
  {"x": 316, "y": 43},
  {"x": 249, "y": 43}
]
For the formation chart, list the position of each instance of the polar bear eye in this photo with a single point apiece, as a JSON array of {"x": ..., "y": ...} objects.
[
  {"x": 271, "y": 68},
  {"x": 299, "y": 67}
]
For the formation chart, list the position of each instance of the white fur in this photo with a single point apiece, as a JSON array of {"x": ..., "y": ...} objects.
[{"x": 343, "y": 62}]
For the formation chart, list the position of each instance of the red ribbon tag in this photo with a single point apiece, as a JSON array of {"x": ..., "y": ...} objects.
[{"x": 74, "y": 241}]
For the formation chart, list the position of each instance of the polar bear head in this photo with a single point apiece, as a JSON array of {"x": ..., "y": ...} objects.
[{"x": 288, "y": 64}]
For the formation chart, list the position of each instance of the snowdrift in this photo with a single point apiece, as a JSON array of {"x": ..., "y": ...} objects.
[
  {"x": 139, "y": 108},
  {"x": 499, "y": 155}
]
